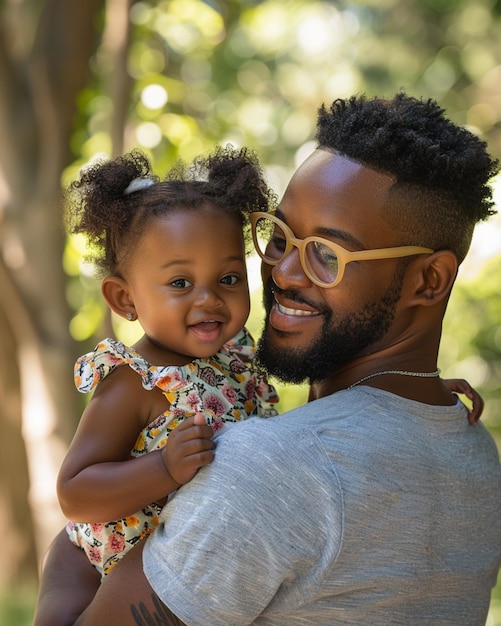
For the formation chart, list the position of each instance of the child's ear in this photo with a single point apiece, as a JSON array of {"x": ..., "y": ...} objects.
[
  {"x": 435, "y": 277},
  {"x": 117, "y": 295}
]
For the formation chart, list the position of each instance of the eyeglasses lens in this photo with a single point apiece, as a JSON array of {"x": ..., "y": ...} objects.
[
  {"x": 321, "y": 260},
  {"x": 270, "y": 239}
]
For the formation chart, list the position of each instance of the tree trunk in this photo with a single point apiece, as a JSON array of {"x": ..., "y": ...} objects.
[{"x": 41, "y": 74}]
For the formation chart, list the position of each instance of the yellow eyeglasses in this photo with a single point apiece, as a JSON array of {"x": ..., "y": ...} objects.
[{"x": 322, "y": 260}]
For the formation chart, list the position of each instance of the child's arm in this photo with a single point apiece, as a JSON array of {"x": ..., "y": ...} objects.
[
  {"x": 98, "y": 480},
  {"x": 460, "y": 386}
]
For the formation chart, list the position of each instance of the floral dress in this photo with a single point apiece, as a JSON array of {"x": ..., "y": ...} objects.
[{"x": 224, "y": 387}]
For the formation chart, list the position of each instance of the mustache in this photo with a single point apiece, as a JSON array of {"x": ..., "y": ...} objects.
[{"x": 271, "y": 288}]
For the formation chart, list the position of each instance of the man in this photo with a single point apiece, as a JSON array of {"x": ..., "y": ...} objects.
[{"x": 377, "y": 503}]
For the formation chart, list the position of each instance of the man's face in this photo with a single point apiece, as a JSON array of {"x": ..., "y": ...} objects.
[{"x": 312, "y": 331}]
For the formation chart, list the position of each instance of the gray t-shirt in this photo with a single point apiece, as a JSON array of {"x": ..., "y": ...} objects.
[{"x": 359, "y": 508}]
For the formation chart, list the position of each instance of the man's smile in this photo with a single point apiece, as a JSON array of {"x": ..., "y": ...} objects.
[
  {"x": 287, "y": 313},
  {"x": 293, "y": 311}
]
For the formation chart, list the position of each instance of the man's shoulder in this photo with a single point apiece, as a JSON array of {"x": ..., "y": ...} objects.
[
  {"x": 272, "y": 448},
  {"x": 300, "y": 426}
]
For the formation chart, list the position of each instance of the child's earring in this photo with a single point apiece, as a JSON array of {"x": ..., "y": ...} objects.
[{"x": 130, "y": 317}]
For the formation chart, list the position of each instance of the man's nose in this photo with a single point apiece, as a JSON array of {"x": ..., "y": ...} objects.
[{"x": 289, "y": 271}]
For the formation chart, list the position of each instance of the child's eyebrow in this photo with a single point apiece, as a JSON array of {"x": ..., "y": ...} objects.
[{"x": 189, "y": 261}]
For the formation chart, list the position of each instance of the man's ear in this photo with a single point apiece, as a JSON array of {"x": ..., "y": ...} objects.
[
  {"x": 117, "y": 295},
  {"x": 435, "y": 276}
]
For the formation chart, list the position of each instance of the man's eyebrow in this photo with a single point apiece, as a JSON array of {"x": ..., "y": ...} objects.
[{"x": 330, "y": 233}]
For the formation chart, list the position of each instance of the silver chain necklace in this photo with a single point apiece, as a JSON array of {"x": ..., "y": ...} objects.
[{"x": 434, "y": 374}]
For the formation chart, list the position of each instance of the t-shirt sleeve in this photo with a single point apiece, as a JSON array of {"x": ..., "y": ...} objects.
[{"x": 253, "y": 533}]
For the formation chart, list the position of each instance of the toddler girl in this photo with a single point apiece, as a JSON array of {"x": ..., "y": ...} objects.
[{"x": 172, "y": 256}]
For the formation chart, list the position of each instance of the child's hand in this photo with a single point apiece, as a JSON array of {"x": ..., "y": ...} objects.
[
  {"x": 457, "y": 385},
  {"x": 188, "y": 448}
]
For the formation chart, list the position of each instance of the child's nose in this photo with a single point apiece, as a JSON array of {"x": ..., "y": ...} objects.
[{"x": 208, "y": 297}]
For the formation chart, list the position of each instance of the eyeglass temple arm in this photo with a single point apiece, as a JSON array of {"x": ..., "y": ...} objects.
[{"x": 386, "y": 253}]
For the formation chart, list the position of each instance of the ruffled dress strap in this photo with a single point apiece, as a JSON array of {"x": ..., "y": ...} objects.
[
  {"x": 223, "y": 387},
  {"x": 91, "y": 368}
]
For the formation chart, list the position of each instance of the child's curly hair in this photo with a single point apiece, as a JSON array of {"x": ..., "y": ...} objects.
[
  {"x": 441, "y": 169},
  {"x": 113, "y": 200}
]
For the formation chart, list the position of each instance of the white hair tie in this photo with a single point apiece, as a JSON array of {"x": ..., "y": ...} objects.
[{"x": 138, "y": 184}]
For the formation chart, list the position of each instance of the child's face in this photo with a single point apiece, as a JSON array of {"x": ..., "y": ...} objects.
[{"x": 188, "y": 281}]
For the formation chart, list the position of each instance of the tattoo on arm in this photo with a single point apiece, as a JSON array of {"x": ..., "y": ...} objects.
[{"x": 161, "y": 615}]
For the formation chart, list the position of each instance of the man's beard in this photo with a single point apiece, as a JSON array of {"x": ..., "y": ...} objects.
[{"x": 339, "y": 341}]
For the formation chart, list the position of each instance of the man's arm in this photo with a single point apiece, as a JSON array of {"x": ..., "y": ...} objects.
[{"x": 126, "y": 599}]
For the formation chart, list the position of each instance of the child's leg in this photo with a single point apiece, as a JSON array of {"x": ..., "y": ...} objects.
[{"x": 68, "y": 584}]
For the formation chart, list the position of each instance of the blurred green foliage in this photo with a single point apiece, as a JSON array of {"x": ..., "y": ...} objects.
[
  {"x": 16, "y": 607},
  {"x": 471, "y": 345}
]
